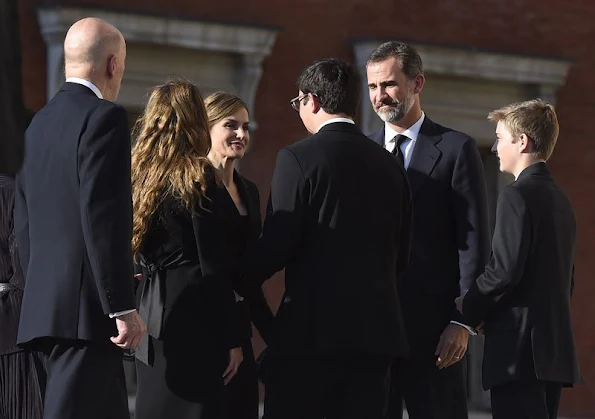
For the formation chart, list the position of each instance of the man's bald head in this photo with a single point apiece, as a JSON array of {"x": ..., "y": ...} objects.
[{"x": 95, "y": 50}]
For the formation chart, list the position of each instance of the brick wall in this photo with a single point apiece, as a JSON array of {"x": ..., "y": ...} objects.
[{"x": 312, "y": 29}]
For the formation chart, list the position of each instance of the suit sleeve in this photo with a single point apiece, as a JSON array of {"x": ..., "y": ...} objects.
[
  {"x": 471, "y": 212},
  {"x": 216, "y": 268},
  {"x": 510, "y": 248},
  {"x": 282, "y": 227},
  {"x": 106, "y": 206},
  {"x": 260, "y": 311},
  {"x": 21, "y": 224}
]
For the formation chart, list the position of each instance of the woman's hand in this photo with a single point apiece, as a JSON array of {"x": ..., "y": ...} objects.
[{"x": 236, "y": 356}]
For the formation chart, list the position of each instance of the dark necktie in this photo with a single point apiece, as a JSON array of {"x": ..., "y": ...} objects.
[{"x": 399, "y": 140}]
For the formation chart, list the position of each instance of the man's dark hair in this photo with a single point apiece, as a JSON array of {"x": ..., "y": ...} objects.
[
  {"x": 335, "y": 82},
  {"x": 411, "y": 63}
]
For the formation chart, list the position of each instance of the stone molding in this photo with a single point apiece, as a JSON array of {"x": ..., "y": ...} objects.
[{"x": 250, "y": 43}]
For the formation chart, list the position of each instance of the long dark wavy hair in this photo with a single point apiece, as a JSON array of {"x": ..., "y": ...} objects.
[{"x": 169, "y": 156}]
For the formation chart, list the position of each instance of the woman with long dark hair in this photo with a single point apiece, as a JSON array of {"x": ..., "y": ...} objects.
[{"x": 181, "y": 212}]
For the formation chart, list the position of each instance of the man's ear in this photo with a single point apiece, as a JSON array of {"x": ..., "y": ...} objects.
[
  {"x": 112, "y": 65},
  {"x": 419, "y": 83},
  {"x": 315, "y": 102}
]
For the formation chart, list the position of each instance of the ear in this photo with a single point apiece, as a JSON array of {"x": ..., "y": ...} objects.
[
  {"x": 112, "y": 65},
  {"x": 419, "y": 83},
  {"x": 315, "y": 103},
  {"x": 524, "y": 143}
]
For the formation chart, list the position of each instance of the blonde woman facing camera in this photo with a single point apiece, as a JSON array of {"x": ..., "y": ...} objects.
[
  {"x": 180, "y": 232},
  {"x": 229, "y": 124}
]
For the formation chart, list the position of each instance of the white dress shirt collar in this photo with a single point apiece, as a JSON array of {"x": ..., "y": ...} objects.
[
  {"x": 85, "y": 83},
  {"x": 408, "y": 145},
  {"x": 333, "y": 120},
  {"x": 412, "y": 132}
]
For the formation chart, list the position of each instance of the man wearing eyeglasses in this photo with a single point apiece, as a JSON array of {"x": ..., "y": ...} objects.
[{"x": 339, "y": 223}]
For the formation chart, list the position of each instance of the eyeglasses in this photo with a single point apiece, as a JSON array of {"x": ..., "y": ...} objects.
[{"x": 295, "y": 102}]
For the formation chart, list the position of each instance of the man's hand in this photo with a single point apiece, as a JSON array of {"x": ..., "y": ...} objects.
[
  {"x": 131, "y": 329},
  {"x": 459, "y": 303},
  {"x": 452, "y": 345},
  {"x": 236, "y": 356}
]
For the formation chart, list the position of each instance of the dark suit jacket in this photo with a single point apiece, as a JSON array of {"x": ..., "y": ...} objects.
[
  {"x": 339, "y": 223},
  {"x": 254, "y": 308},
  {"x": 193, "y": 256},
  {"x": 73, "y": 218},
  {"x": 190, "y": 252},
  {"x": 450, "y": 244},
  {"x": 524, "y": 294}
]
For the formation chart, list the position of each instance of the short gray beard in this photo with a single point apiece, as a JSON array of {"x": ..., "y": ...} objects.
[
  {"x": 393, "y": 114},
  {"x": 397, "y": 111}
]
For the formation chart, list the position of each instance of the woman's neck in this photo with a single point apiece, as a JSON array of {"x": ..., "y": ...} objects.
[{"x": 224, "y": 166}]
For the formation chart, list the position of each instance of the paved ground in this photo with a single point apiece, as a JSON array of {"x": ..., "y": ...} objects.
[{"x": 472, "y": 415}]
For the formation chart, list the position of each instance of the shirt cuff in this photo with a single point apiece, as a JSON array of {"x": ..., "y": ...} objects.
[
  {"x": 120, "y": 313},
  {"x": 471, "y": 330}
]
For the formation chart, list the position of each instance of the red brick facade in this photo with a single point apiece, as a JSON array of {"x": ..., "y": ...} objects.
[{"x": 310, "y": 29}]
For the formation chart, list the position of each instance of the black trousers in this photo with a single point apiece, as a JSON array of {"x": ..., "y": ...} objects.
[
  {"x": 428, "y": 392},
  {"x": 84, "y": 380},
  {"x": 335, "y": 386},
  {"x": 526, "y": 399}
]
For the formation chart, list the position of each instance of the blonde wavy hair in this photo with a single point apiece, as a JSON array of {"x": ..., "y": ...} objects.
[{"x": 169, "y": 156}]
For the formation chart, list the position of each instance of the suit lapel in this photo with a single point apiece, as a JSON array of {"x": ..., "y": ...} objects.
[
  {"x": 378, "y": 137},
  {"x": 425, "y": 156},
  {"x": 251, "y": 202}
]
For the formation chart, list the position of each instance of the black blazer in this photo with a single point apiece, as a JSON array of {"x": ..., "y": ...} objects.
[
  {"x": 245, "y": 231},
  {"x": 450, "y": 244},
  {"x": 339, "y": 223},
  {"x": 187, "y": 276},
  {"x": 188, "y": 261},
  {"x": 73, "y": 218},
  {"x": 524, "y": 294}
]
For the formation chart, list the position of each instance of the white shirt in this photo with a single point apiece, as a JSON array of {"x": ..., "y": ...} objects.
[
  {"x": 333, "y": 120},
  {"x": 408, "y": 145},
  {"x": 97, "y": 92},
  {"x": 85, "y": 83}
]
